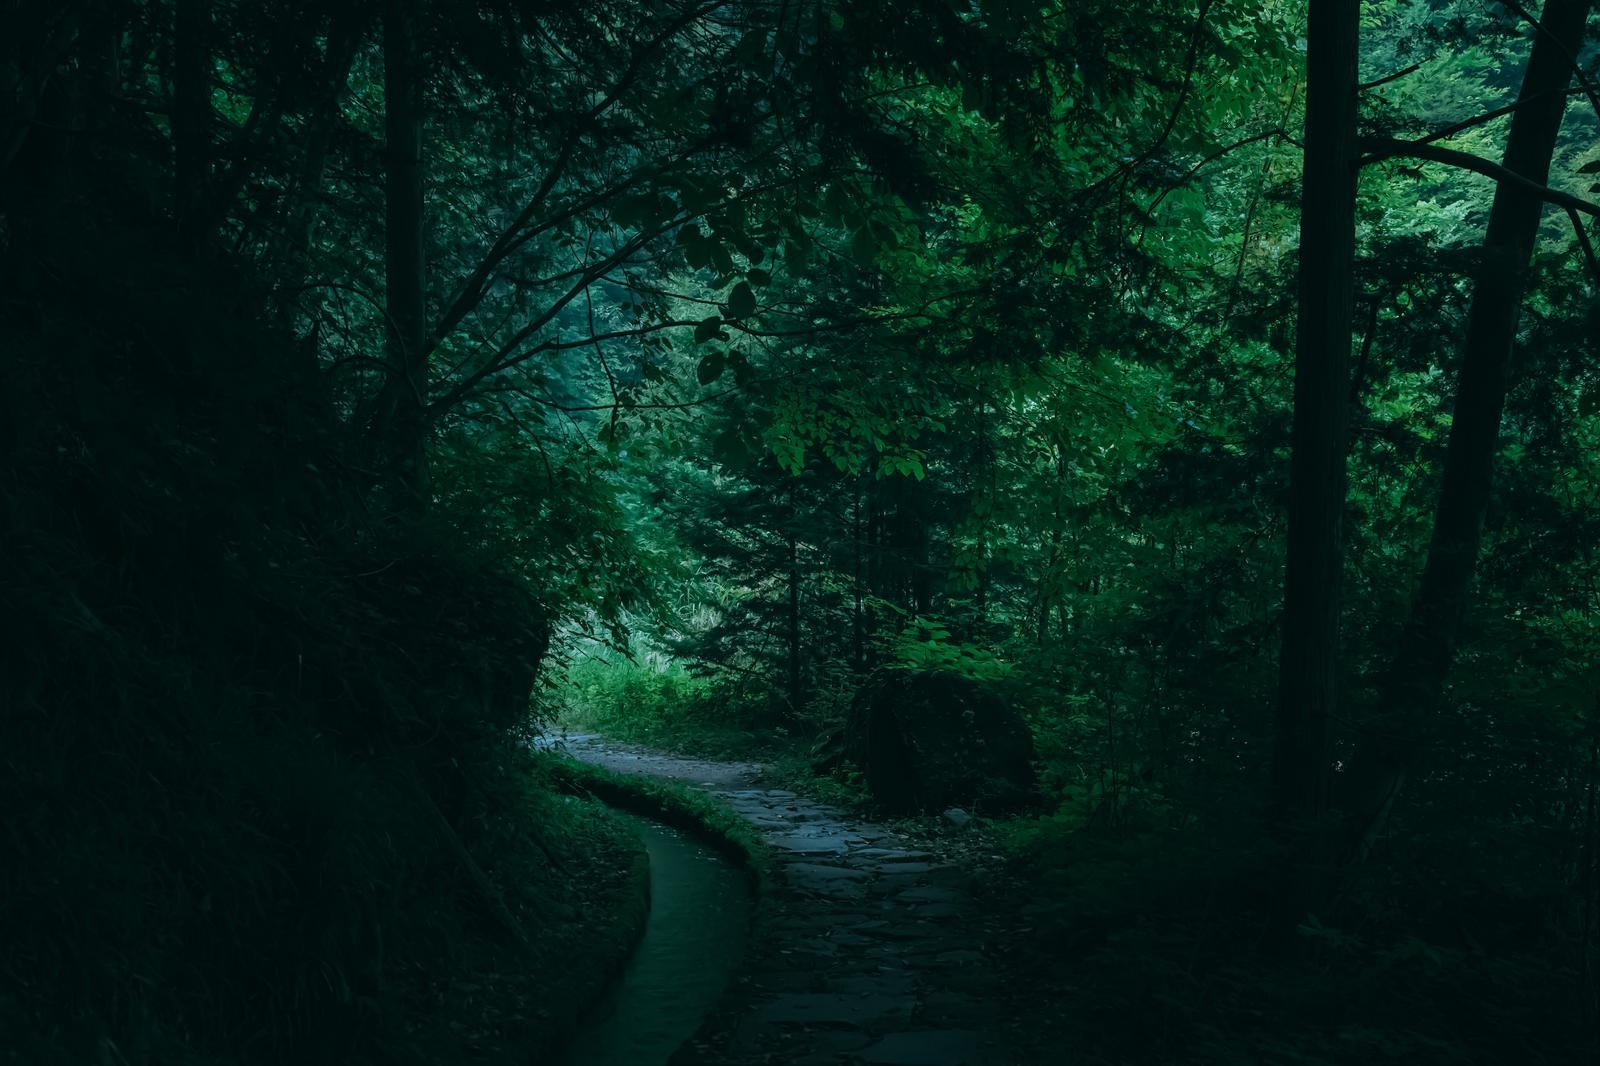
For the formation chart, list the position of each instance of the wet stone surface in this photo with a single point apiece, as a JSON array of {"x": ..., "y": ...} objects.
[{"x": 873, "y": 952}]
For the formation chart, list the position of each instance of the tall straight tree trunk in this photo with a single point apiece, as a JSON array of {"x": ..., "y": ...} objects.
[
  {"x": 88, "y": 102},
  {"x": 1052, "y": 557},
  {"x": 344, "y": 36},
  {"x": 983, "y": 488},
  {"x": 793, "y": 635},
  {"x": 102, "y": 48},
  {"x": 1416, "y": 675},
  {"x": 402, "y": 406},
  {"x": 1589, "y": 878},
  {"x": 1309, "y": 663},
  {"x": 858, "y": 622},
  {"x": 191, "y": 114}
]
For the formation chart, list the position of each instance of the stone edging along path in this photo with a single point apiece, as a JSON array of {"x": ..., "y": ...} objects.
[{"x": 873, "y": 951}]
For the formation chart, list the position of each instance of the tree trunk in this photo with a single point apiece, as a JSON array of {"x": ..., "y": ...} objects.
[
  {"x": 983, "y": 489},
  {"x": 402, "y": 405},
  {"x": 793, "y": 636},
  {"x": 1053, "y": 560},
  {"x": 1588, "y": 881},
  {"x": 1415, "y": 679},
  {"x": 1309, "y": 663},
  {"x": 191, "y": 114},
  {"x": 102, "y": 50},
  {"x": 1042, "y": 634},
  {"x": 344, "y": 37},
  {"x": 275, "y": 89},
  {"x": 858, "y": 635}
]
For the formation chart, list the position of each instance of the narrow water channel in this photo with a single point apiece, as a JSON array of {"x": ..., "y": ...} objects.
[{"x": 699, "y": 911}]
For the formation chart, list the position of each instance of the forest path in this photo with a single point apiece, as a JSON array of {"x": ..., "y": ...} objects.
[{"x": 874, "y": 950}]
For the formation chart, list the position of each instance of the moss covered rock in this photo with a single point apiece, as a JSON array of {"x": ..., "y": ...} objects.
[{"x": 928, "y": 740}]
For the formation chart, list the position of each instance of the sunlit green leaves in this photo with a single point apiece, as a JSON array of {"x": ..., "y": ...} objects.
[{"x": 908, "y": 463}]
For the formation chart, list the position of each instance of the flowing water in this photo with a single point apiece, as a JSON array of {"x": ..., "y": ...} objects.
[{"x": 699, "y": 910}]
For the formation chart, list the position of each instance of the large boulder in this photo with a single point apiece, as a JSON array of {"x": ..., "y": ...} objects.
[{"x": 929, "y": 740}]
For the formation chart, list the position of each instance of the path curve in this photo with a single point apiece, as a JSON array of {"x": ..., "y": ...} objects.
[{"x": 875, "y": 951}]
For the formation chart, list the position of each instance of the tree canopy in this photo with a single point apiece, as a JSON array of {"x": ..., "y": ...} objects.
[{"x": 1214, "y": 383}]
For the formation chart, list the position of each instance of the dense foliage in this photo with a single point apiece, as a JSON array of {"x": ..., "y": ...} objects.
[{"x": 372, "y": 363}]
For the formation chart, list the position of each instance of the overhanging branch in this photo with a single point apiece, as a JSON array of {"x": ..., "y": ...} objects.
[{"x": 1379, "y": 149}]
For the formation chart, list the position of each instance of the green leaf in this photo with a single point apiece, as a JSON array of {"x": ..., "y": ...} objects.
[
  {"x": 742, "y": 300},
  {"x": 696, "y": 248},
  {"x": 711, "y": 367},
  {"x": 759, "y": 278},
  {"x": 707, "y": 329},
  {"x": 797, "y": 254},
  {"x": 1591, "y": 167},
  {"x": 698, "y": 195}
]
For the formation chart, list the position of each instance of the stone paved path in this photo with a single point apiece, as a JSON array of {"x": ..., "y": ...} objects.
[{"x": 874, "y": 951}]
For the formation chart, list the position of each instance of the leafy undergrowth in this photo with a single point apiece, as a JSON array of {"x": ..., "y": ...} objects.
[
  {"x": 1147, "y": 946},
  {"x": 662, "y": 706},
  {"x": 668, "y": 708},
  {"x": 796, "y": 769}
]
